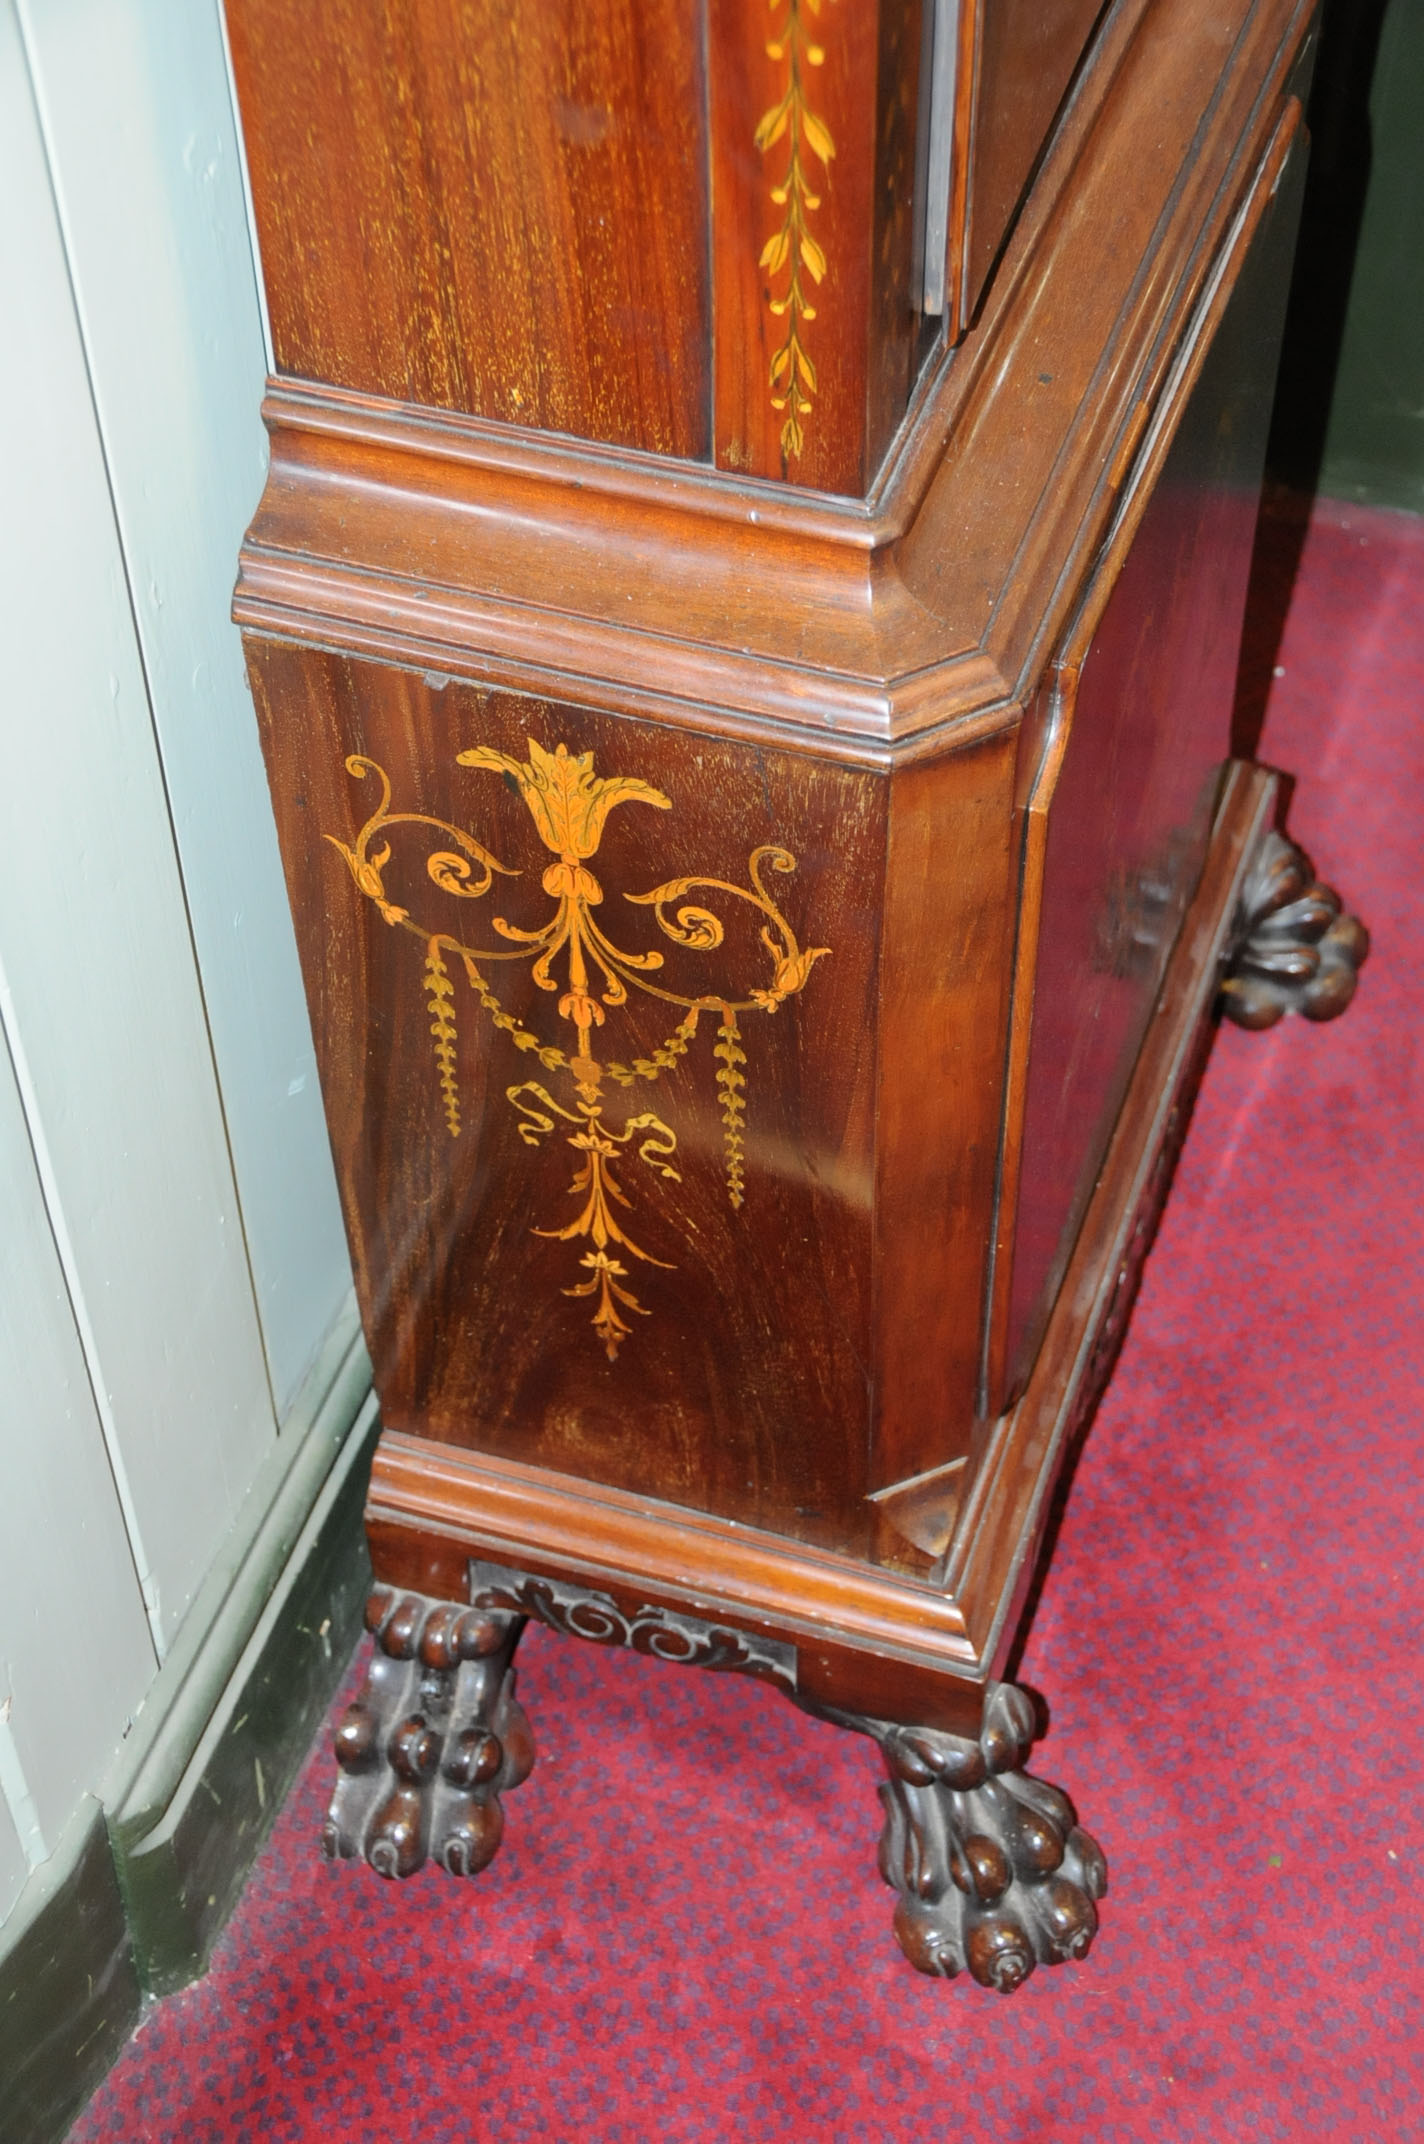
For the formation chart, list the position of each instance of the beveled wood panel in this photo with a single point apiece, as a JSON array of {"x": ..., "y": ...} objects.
[
  {"x": 948, "y": 951},
  {"x": 1024, "y": 57},
  {"x": 723, "y": 1364},
  {"x": 1126, "y": 834},
  {"x": 497, "y": 207},
  {"x": 1042, "y": 441},
  {"x": 990, "y": 1563},
  {"x": 1146, "y": 687}
]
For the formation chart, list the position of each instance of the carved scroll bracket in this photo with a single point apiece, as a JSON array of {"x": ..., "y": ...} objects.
[{"x": 658, "y": 1632}]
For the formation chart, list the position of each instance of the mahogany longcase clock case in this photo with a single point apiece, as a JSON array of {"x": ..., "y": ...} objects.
[{"x": 743, "y": 618}]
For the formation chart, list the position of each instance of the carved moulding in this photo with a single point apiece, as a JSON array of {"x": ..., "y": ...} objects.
[
  {"x": 658, "y": 1632},
  {"x": 1296, "y": 950},
  {"x": 993, "y": 1874}
]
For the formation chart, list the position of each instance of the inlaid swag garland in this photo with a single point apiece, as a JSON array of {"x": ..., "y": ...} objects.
[{"x": 570, "y": 805}]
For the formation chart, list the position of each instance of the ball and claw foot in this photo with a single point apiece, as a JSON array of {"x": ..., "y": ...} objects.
[
  {"x": 994, "y": 1875},
  {"x": 433, "y": 1740},
  {"x": 1296, "y": 950}
]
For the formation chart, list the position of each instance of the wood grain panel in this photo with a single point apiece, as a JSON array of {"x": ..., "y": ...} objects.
[
  {"x": 944, "y": 1002},
  {"x": 744, "y": 1388},
  {"x": 990, "y": 1563},
  {"x": 495, "y": 206},
  {"x": 1126, "y": 835},
  {"x": 894, "y": 341}
]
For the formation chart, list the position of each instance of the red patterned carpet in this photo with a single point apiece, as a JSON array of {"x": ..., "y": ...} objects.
[{"x": 684, "y": 1937}]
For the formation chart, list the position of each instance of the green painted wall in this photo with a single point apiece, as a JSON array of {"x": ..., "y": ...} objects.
[
  {"x": 1350, "y": 413},
  {"x": 1374, "y": 442}
]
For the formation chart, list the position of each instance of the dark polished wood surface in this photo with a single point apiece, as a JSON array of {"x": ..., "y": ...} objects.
[
  {"x": 778, "y": 1310},
  {"x": 743, "y": 1388},
  {"x": 496, "y": 207},
  {"x": 858, "y": 631},
  {"x": 1145, "y": 690},
  {"x": 686, "y": 229},
  {"x": 989, "y": 1562},
  {"x": 1018, "y": 62}
]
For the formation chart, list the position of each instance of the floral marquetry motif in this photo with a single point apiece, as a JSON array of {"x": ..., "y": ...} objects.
[
  {"x": 791, "y": 247},
  {"x": 570, "y": 954}
]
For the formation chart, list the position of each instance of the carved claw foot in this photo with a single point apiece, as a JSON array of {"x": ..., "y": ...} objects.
[
  {"x": 992, "y": 1871},
  {"x": 434, "y": 1739},
  {"x": 1296, "y": 951}
]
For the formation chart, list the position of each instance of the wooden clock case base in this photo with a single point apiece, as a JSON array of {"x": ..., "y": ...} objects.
[
  {"x": 1033, "y": 614},
  {"x": 992, "y": 1872}
]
